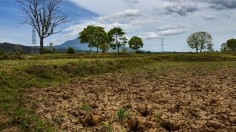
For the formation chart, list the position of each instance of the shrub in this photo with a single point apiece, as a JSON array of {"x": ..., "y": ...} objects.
[
  {"x": 47, "y": 51},
  {"x": 2, "y": 52},
  {"x": 121, "y": 114},
  {"x": 70, "y": 50},
  {"x": 149, "y": 52},
  {"x": 3, "y": 55},
  {"x": 139, "y": 52}
]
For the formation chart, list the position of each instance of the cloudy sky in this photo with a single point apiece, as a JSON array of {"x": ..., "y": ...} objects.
[{"x": 172, "y": 20}]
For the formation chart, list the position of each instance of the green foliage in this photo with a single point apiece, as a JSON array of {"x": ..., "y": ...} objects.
[
  {"x": 121, "y": 114},
  {"x": 51, "y": 47},
  {"x": 104, "y": 46},
  {"x": 135, "y": 43},
  {"x": 101, "y": 39},
  {"x": 86, "y": 107},
  {"x": 2, "y": 52},
  {"x": 106, "y": 128},
  {"x": 95, "y": 36},
  {"x": 70, "y": 50},
  {"x": 12, "y": 56},
  {"x": 149, "y": 52},
  {"x": 47, "y": 51},
  {"x": 231, "y": 44},
  {"x": 116, "y": 38},
  {"x": 224, "y": 48},
  {"x": 140, "y": 52},
  {"x": 86, "y": 36},
  {"x": 3, "y": 55},
  {"x": 200, "y": 41}
]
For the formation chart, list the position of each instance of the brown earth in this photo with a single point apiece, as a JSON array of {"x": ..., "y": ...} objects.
[
  {"x": 155, "y": 100},
  {"x": 5, "y": 123}
]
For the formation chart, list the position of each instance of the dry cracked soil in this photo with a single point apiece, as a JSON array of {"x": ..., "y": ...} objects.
[{"x": 152, "y": 99}]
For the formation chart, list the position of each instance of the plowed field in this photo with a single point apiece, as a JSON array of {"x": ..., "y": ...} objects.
[{"x": 162, "y": 97}]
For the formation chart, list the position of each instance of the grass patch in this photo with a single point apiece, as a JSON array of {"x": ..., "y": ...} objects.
[
  {"x": 86, "y": 107},
  {"x": 121, "y": 114}
]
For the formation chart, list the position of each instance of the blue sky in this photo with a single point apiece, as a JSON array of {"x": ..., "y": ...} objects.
[{"x": 173, "y": 20}]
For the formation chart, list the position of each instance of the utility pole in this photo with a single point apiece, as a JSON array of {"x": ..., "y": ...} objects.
[{"x": 162, "y": 44}]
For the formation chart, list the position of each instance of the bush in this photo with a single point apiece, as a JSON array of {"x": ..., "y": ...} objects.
[
  {"x": 139, "y": 52},
  {"x": 47, "y": 51},
  {"x": 149, "y": 52},
  {"x": 2, "y": 52},
  {"x": 70, "y": 50}
]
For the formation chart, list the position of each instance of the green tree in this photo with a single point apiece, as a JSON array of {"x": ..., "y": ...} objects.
[
  {"x": 200, "y": 41},
  {"x": 135, "y": 43},
  {"x": 224, "y": 48},
  {"x": 87, "y": 36},
  {"x": 43, "y": 15},
  {"x": 70, "y": 50},
  {"x": 51, "y": 46},
  {"x": 231, "y": 44},
  {"x": 210, "y": 47},
  {"x": 95, "y": 36},
  {"x": 101, "y": 39},
  {"x": 117, "y": 39}
]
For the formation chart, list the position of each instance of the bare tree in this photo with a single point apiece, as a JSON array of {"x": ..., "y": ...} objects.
[{"x": 43, "y": 15}]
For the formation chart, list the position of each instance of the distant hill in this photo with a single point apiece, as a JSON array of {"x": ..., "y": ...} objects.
[
  {"x": 76, "y": 45},
  {"x": 9, "y": 47}
]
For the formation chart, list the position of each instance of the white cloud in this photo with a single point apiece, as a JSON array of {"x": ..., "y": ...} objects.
[
  {"x": 129, "y": 20},
  {"x": 163, "y": 32},
  {"x": 130, "y": 13}
]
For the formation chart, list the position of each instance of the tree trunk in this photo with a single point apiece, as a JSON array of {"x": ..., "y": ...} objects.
[
  {"x": 202, "y": 45},
  {"x": 41, "y": 46},
  {"x": 90, "y": 50},
  {"x": 97, "y": 49}
]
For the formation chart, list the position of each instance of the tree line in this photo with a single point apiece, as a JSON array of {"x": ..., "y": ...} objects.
[{"x": 98, "y": 38}]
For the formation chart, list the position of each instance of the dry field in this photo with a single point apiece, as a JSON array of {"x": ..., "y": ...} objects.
[{"x": 183, "y": 96}]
